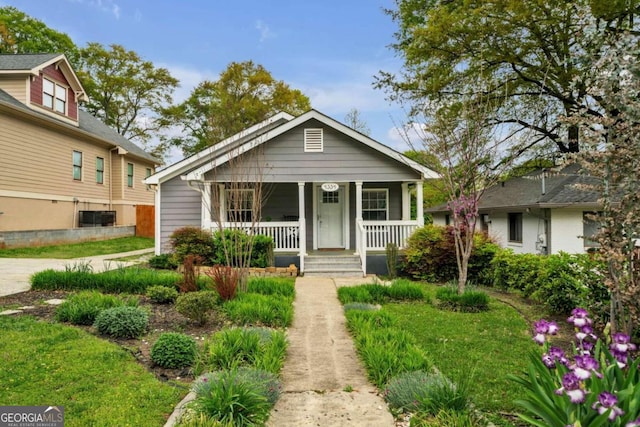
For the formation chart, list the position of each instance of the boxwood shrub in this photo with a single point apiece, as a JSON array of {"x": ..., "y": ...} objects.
[
  {"x": 122, "y": 322},
  {"x": 174, "y": 350}
]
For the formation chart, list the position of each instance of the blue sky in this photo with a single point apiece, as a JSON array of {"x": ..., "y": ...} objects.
[{"x": 329, "y": 49}]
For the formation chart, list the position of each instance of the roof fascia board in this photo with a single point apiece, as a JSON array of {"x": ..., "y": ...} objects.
[{"x": 182, "y": 166}]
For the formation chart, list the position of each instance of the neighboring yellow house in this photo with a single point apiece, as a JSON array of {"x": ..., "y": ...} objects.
[{"x": 60, "y": 167}]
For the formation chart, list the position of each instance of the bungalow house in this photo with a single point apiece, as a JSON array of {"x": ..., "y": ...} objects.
[
  {"x": 335, "y": 196},
  {"x": 544, "y": 212},
  {"x": 61, "y": 168}
]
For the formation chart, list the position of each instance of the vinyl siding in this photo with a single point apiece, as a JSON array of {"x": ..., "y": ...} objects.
[
  {"x": 343, "y": 160},
  {"x": 15, "y": 86},
  {"x": 180, "y": 206}
]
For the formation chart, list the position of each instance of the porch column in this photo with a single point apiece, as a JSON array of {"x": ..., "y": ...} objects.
[
  {"x": 222, "y": 204},
  {"x": 207, "y": 206},
  {"x": 302, "y": 223},
  {"x": 406, "y": 202},
  {"x": 419, "y": 203},
  {"x": 358, "y": 200}
]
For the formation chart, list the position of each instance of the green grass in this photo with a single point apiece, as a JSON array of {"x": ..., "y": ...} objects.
[
  {"x": 486, "y": 345},
  {"x": 97, "y": 382},
  {"x": 78, "y": 250}
]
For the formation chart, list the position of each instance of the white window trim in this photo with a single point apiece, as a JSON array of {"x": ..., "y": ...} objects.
[
  {"x": 100, "y": 170},
  {"x": 371, "y": 190},
  {"x": 57, "y": 88},
  {"x": 313, "y": 140},
  {"x": 521, "y": 227},
  {"x": 133, "y": 175},
  {"x": 73, "y": 165}
]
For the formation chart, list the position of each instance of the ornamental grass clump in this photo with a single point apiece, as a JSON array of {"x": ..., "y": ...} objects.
[{"x": 596, "y": 384}]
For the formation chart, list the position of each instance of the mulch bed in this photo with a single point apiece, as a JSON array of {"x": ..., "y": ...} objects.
[{"x": 162, "y": 318}]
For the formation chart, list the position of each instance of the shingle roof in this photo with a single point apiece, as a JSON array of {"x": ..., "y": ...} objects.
[
  {"x": 88, "y": 124},
  {"x": 24, "y": 61},
  {"x": 563, "y": 187}
]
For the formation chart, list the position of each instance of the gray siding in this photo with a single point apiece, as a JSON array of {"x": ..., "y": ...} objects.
[
  {"x": 343, "y": 160},
  {"x": 180, "y": 206},
  {"x": 282, "y": 200}
]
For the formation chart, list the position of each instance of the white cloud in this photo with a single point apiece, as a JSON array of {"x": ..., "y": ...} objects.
[
  {"x": 406, "y": 137},
  {"x": 264, "y": 30},
  {"x": 188, "y": 77}
]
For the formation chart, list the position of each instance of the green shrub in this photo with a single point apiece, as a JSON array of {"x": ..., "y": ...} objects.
[
  {"x": 163, "y": 262},
  {"x": 134, "y": 280},
  {"x": 239, "y": 397},
  {"x": 122, "y": 322},
  {"x": 193, "y": 241},
  {"x": 446, "y": 417},
  {"x": 282, "y": 286},
  {"x": 426, "y": 393},
  {"x": 260, "y": 348},
  {"x": 385, "y": 350},
  {"x": 174, "y": 350},
  {"x": 162, "y": 294},
  {"x": 560, "y": 282},
  {"x": 469, "y": 301},
  {"x": 197, "y": 305},
  {"x": 400, "y": 290},
  {"x": 83, "y": 307},
  {"x": 256, "y": 309},
  {"x": 237, "y": 240},
  {"x": 430, "y": 255},
  {"x": 191, "y": 418},
  {"x": 405, "y": 290},
  {"x": 391, "y": 252}
]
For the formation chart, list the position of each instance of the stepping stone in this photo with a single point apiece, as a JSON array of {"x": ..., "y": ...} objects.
[
  {"x": 54, "y": 301},
  {"x": 9, "y": 312},
  {"x": 27, "y": 307}
]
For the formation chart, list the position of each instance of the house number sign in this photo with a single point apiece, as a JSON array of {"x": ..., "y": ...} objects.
[{"x": 330, "y": 186}]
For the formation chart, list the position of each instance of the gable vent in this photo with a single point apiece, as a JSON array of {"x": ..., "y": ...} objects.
[{"x": 313, "y": 142}]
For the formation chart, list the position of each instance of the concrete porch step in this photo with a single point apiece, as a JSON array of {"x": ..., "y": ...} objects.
[{"x": 332, "y": 266}]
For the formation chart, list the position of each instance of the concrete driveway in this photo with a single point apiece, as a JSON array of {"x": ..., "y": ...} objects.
[{"x": 15, "y": 272}]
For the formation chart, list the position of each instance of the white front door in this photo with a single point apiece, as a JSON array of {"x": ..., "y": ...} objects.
[{"x": 330, "y": 218}]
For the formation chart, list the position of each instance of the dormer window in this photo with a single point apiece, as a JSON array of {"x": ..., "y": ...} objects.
[{"x": 54, "y": 96}]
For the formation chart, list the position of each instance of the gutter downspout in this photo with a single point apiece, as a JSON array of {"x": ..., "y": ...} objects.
[{"x": 111, "y": 178}]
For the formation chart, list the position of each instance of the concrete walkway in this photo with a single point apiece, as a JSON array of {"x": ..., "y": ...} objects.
[
  {"x": 322, "y": 366},
  {"x": 15, "y": 272}
]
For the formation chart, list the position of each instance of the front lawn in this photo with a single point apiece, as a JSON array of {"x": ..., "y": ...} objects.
[
  {"x": 78, "y": 250},
  {"x": 97, "y": 382}
]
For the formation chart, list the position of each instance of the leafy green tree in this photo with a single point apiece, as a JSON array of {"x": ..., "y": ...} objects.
[
  {"x": 533, "y": 59},
  {"x": 125, "y": 91},
  {"x": 20, "y": 33},
  {"x": 245, "y": 94}
]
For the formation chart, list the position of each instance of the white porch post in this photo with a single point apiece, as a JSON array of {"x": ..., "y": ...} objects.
[
  {"x": 419, "y": 204},
  {"x": 406, "y": 202},
  {"x": 222, "y": 201},
  {"x": 207, "y": 214},
  {"x": 302, "y": 236},
  {"x": 359, "y": 242}
]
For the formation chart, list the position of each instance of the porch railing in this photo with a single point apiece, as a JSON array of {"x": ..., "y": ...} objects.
[
  {"x": 380, "y": 233},
  {"x": 375, "y": 235},
  {"x": 285, "y": 234}
]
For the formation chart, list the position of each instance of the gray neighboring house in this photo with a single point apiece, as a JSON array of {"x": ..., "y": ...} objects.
[
  {"x": 332, "y": 191},
  {"x": 544, "y": 212}
]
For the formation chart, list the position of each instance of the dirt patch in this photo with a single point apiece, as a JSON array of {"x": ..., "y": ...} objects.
[{"x": 162, "y": 318}]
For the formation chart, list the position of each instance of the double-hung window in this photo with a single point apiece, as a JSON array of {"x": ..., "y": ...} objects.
[
  {"x": 54, "y": 96},
  {"x": 515, "y": 227},
  {"x": 375, "y": 204},
  {"x": 77, "y": 166},
  {"x": 130, "y": 175},
  {"x": 240, "y": 204},
  {"x": 99, "y": 170}
]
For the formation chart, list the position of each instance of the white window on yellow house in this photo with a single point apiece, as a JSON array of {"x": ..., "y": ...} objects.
[
  {"x": 130, "y": 175},
  {"x": 77, "y": 165}
]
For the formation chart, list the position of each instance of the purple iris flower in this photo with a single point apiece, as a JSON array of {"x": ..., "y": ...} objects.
[
  {"x": 571, "y": 387},
  {"x": 579, "y": 317},
  {"x": 607, "y": 401},
  {"x": 635, "y": 423},
  {"x": 542, "y": 328},
  {"x": 584, "y": 365}
]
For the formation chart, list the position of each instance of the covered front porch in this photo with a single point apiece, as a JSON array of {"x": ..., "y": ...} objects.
[{"x": 352, "y": 217}]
